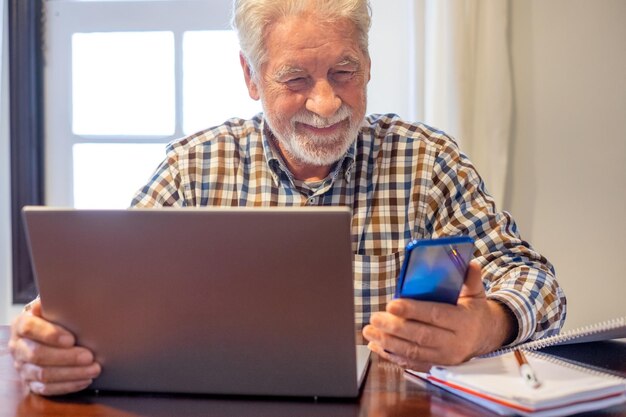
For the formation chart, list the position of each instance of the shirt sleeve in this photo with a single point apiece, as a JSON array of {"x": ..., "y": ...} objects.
[
  {"x": 513, "y": 273},
  {"x": 164, "y": 187}
]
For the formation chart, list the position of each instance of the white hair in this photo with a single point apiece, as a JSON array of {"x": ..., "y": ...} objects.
[{"x": 251, "y": 17}]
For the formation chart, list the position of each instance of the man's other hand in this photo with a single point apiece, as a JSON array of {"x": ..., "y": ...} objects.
[
  {"x": 420, "y": 334},
  {"x": 46, "y": 356}
]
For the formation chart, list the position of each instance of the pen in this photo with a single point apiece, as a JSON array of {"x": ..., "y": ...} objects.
[{"x": 525, "y": 370}]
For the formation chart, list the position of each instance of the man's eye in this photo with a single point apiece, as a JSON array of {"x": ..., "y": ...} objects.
[
  {"x": 296, "y": 82},
  {"x": 343, "y": 75}
]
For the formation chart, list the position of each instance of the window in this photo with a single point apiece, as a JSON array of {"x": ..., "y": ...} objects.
[
  {"x": 123, "y": 84},
  {"x": 122, "y": 79}
]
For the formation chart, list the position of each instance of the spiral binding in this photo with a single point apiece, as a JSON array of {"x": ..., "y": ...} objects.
[
  {"x": 591, "y": 370},
  {"x": 572, "y": 335}
]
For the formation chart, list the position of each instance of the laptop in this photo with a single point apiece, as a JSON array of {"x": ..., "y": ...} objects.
[{"x": 241, "y": 301}]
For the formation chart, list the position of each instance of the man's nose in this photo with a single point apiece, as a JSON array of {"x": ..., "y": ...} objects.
[{"x": 322, "y": 99}]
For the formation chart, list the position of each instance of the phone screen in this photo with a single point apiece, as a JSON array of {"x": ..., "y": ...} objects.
[{"x": 434, "y": 269}]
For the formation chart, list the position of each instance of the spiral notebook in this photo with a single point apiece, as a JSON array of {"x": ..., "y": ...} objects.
[
  {"x": 494, "y": 382},
  {"x": 606, "y": 330}
]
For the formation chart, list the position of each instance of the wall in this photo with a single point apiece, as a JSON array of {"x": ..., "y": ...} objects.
[
  {"x": 568, "y": 188},
  {"x": 391, "y": 36}
]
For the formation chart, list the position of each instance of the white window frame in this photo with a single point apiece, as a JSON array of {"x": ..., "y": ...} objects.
[{"x": 63, "y": 18}]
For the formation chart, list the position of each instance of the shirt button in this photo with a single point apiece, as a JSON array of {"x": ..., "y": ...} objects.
[{"x": 311, "y": 201}]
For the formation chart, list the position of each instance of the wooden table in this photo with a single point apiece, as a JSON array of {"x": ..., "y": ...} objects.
[{"x": 387, "y": 392}]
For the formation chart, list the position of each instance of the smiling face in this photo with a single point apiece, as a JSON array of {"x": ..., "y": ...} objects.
[{"x": 313, "y": 88}]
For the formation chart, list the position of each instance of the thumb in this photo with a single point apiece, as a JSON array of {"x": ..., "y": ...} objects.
[{"x": 473, "y": 285}]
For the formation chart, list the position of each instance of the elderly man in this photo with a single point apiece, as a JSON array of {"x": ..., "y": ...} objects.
[{"x": 308, "y": 63}]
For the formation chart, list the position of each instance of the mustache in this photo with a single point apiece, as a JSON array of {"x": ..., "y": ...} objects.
[{"x": 312, "y": 119}]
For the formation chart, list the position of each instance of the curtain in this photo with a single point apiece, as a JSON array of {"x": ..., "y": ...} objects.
[{"x": 464, "y": 71}]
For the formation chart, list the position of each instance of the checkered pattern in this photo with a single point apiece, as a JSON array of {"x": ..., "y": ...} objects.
[{"x": 402, "y": 181}]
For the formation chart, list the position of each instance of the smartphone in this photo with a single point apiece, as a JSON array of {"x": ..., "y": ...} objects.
[{"x": 434, "y": 269}]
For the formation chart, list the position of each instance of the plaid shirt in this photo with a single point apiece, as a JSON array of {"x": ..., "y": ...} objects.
[{"x": 403, "y": 181}]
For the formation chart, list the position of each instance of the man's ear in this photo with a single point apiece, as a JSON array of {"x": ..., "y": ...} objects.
[{"x": 253, "y": 89}]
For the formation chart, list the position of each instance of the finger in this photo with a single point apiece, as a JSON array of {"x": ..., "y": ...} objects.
[
  {"x": 26, "y": 350},
  {"x": 416, "y": 332},
  {"x": 409, "y": 349},
  {"x": 30, "y": 326},
  {"x": 58, "y": 388},
  {"x": 473, "y": 285},
  {"x": 441, "y": 315},
  {"x": 56, "y": 374},
  {"x": 387, "y": 355},
  {"x": 397, "y": 359},
  {"x": 379, "y": 350}
]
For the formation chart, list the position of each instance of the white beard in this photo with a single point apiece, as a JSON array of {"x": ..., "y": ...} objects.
[{"x": 317, "y": 150}]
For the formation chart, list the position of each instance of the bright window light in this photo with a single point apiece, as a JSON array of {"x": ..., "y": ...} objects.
[
  {"x": 123, "y": 83},
  {"x": 108, "y": 175},
  {"x": 213, "y": 84}
]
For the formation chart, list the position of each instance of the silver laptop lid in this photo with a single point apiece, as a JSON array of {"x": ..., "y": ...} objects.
[{"x": 204, "y": 300}]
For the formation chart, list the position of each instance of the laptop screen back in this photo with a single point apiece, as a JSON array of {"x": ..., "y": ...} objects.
[{"x": 204, "y": 300}]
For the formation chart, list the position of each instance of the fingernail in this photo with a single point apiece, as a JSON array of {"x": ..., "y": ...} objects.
[
  {"x": 366, "y": 332},
  {"x": 395, "y": 307},
  {"x": 95, "y": 370},
  {"x": 373, "y": 347},
  {"x": 370, "y": 333},
  {"x": 36, "y": 387}
]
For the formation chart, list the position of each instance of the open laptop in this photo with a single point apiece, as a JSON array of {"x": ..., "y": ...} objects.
[{"x": 244, "y": 301}]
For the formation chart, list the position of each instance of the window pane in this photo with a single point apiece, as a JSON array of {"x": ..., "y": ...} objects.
[
  {"x": 108, "y": 175},
  {"x": 123, "y": 83},
  {"x": 213, "y": 84}
]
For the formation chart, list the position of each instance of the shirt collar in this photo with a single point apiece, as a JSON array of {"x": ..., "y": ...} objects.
[{"x": 273, "y": 159}]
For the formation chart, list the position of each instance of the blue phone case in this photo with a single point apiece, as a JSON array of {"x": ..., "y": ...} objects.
[{"x": 434, "y": 269}]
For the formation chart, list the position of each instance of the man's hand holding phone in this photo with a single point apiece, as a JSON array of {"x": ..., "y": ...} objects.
[{"x": 425, "y": 333}]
